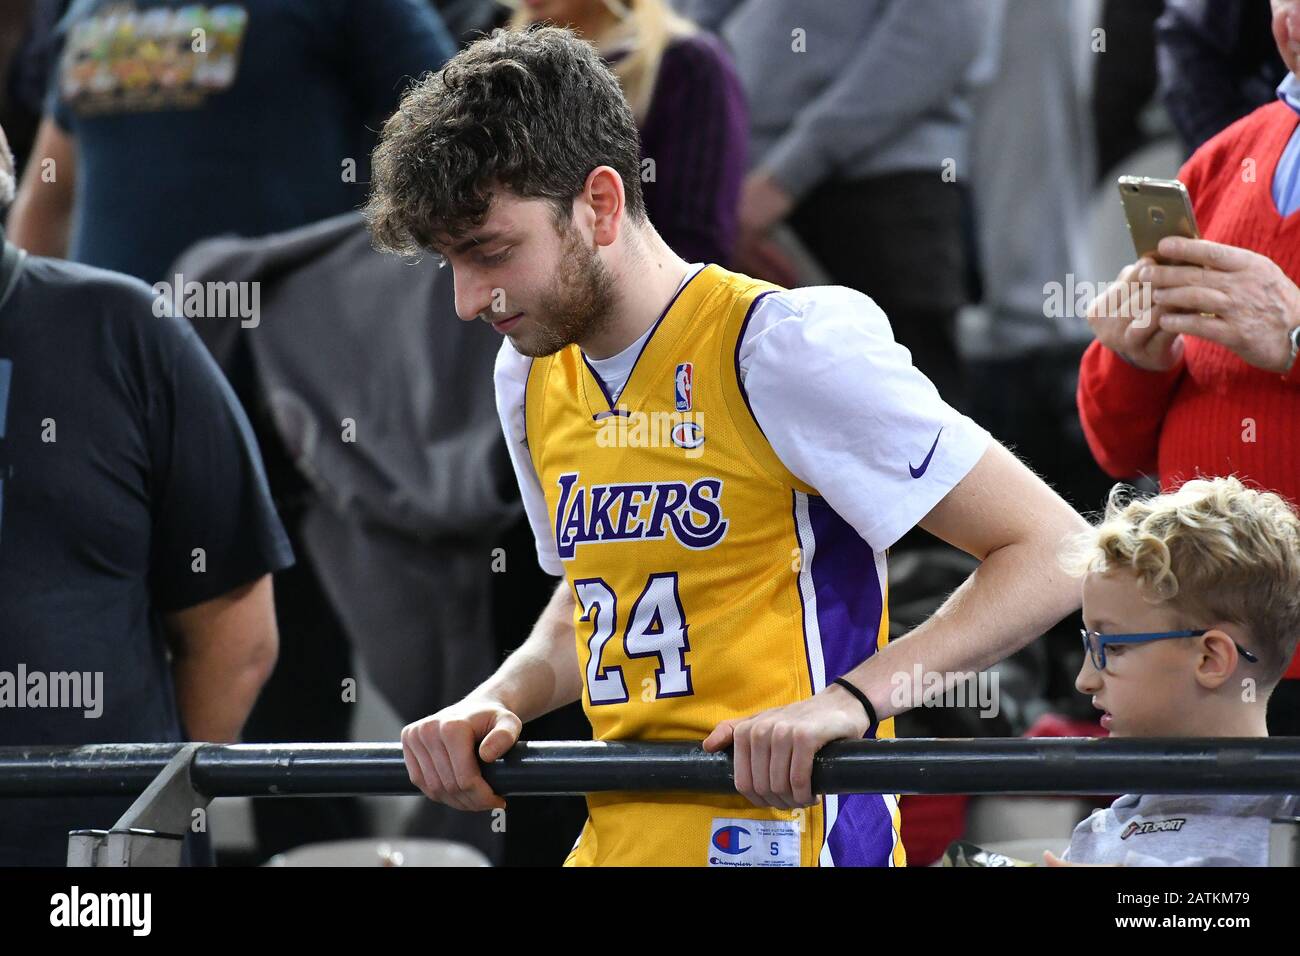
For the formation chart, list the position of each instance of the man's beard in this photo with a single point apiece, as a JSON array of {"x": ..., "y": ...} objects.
[{"x": 578, "y": 305}]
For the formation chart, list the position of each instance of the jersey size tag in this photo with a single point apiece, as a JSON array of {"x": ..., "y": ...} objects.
[{"x": 740, "y": 842}]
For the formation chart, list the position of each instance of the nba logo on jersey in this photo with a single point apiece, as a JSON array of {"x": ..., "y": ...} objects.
[{"x": 683, "y": 379}]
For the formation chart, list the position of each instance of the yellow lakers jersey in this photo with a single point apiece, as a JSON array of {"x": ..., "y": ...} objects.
[{"x": 709, "y": 582}]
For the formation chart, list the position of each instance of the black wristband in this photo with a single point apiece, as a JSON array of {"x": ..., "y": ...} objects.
[{"x": 866, "y": 704}]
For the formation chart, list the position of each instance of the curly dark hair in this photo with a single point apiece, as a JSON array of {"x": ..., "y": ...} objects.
[{"x": 532, "y": 111}]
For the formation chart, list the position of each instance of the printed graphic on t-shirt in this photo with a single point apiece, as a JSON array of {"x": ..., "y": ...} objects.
[
  {"x": 124, "y": 59},
  {"x": 1153, "y": 826}
]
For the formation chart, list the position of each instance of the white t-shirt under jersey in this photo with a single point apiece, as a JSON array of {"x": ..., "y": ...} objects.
[{"x": 838, "y": 399}]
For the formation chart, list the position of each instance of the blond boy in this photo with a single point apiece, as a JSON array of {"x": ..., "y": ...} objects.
[{"x": 1191, "y": 607}]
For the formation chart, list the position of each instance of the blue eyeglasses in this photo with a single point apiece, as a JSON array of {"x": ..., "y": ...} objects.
[{"x": 1095, "y": 643}]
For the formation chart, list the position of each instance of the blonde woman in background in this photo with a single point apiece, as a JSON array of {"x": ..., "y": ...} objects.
[{"x": 690, "y": 110}]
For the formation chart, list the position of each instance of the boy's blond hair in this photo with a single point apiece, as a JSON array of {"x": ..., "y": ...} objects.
[{"x": 1215, "y": 549}]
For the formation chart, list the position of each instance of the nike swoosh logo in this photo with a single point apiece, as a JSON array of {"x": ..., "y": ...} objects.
[{"x": 918, "y": 472}]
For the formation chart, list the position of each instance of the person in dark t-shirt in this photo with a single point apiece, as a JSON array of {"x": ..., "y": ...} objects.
[
  {"x": 137, "y": 534},
  {"x": 169, "y": 121}
]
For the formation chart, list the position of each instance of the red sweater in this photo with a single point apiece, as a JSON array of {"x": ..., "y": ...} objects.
[{"x": 1193, "y": 418}]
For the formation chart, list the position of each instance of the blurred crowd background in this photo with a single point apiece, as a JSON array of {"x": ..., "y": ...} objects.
[{"x": 953, "y": 159}]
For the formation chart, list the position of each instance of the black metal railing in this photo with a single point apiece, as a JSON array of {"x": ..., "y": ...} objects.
[{"x": 1011, "y": 766}]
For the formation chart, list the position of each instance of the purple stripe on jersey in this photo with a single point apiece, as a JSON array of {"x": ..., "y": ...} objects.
[
  {"x": 849, "y": 603},
  {"x": 849, "y": 609},
  {"x": 864, "y": 832}
]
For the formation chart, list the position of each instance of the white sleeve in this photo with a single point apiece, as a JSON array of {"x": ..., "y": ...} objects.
[
  {"x": 511, "y": 379},
  {"x": 847, "y": 412}
]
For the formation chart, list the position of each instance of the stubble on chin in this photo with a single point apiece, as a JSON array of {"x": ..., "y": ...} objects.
[{"x": 578, "y": 304}]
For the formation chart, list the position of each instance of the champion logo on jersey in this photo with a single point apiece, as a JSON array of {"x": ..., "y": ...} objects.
[
  {"x": 683, "y": 383},
  {"x": 688, "y": 435},
  {"x": 731, "y": 840}
]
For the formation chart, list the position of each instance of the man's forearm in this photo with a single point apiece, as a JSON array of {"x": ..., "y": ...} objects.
[
  {"x": 41, "y": 216},
  {"x": 1015, "y": 595},
  {"x": 215, "y": 698},
  {"x": 40, "y": 228},
  {"x": 224, "y": 650},
  {"x": 543, "y": 673}
]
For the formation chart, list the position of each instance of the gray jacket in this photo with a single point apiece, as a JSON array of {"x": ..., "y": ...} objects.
[
  {"x": 849, "y": 90},
  {"x": 384, "y": 399}
]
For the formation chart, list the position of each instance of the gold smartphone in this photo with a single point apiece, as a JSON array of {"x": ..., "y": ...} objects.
[{"x": 1156, "y": 208}]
